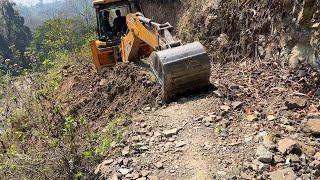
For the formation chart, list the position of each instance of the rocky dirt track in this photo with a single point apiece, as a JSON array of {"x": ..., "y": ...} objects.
[{"x": 254, "y": 126}]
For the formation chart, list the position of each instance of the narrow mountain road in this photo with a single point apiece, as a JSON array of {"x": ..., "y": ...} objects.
[
  {"x": 180, "y": 148},
  {"x": 188, "y": 139}
]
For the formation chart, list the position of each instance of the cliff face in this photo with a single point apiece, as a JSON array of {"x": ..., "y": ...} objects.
[
  {"x": 233, "y": 30},
  {"x": 163, "y": 10}
]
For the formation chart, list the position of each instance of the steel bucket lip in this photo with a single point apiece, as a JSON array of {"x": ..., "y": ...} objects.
[
  {"x": 190, "y": 48},
  {"x": 177, "y": 60},
  {"x": 165, "y": 61}
]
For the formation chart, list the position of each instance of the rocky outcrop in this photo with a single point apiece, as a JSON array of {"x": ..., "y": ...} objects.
[
  {"x": 284, "y": 30},
  {"x": 303, "y": 35}
]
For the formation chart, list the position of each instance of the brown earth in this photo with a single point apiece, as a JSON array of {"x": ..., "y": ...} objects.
[
  {"x": 216, "y": 134},
  {"x": 123, "y": 88},
  {"x": 212, "y": 136},
  {"x": 259, "y": 101}
]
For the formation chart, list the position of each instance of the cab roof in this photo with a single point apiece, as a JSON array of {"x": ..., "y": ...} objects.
[{"x": 98, "y": 2}]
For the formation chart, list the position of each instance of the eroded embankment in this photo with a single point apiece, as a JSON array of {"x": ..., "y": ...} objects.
[{"x": 123, "y": 88}]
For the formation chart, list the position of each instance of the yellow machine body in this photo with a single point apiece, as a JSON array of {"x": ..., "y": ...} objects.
[
  {"x": 178, "y": 67},
  {"x": 103, "y": 55}
]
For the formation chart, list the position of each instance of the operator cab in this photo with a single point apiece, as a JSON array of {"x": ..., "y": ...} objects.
[{"x": 111, "y": 22}]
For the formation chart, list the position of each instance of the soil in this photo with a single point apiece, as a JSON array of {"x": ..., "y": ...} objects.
[
  {"x": 122, "y": 88},
  {"x": 249, "y": 68},
  {"x": 225, "y": 147}
]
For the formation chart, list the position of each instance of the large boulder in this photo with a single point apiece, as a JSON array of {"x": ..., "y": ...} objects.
[{"x": 303, "y": 53}]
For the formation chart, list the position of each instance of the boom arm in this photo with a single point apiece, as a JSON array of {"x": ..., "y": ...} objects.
[{"x": 144, "y": 30}]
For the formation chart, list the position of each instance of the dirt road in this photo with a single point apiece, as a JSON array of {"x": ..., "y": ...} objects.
[{"x": 215, "y": 135}]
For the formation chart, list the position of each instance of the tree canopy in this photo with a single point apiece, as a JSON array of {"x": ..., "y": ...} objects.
[{"x": 14, "y": 37}]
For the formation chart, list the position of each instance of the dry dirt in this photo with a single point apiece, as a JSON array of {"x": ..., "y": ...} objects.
[
  {"x": 214, "y": 138},
  {"x": 212, "y": 135},
  {"x": 123, "y": 88}
]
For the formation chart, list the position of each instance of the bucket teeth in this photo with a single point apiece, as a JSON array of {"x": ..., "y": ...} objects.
[{"x": 181, "y": 69}]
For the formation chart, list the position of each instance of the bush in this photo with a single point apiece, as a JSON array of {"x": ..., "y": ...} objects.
[
  {"x": 40, "y": 142},
  {"x": 56, "y": 37}
]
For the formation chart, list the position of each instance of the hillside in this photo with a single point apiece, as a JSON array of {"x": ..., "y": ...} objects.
[
  {"x": 36, "y": 15},
  {"x": 259, "y": 120}
]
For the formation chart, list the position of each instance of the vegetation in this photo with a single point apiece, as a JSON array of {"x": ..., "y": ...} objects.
[
  {"x": 41, "y": 141},
  {"x": 36, "y": 15},
  {"x": 38, "y": 139},
  {"x": 56, "y": 38},
  {"x": 14, "y": 38}
]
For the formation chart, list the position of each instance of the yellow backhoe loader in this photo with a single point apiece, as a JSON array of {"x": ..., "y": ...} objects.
[{"x": 125, "y": 35}]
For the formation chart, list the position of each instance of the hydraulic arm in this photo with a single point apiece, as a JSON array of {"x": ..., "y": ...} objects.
[
  {"x": 177, "y": 67},
  {"x": 143, "y": 30}
]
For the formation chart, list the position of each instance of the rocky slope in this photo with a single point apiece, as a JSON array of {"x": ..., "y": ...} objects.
[{"x": 235, "y": 30}]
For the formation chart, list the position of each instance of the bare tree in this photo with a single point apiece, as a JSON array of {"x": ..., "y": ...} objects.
[{"x": 82, "y": 8}]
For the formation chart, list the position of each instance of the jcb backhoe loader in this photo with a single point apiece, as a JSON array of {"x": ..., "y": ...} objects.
[{"x": 177, "y": 67}]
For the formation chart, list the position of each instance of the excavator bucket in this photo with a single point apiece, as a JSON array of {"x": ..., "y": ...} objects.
[{"x": 180, "y": 69}]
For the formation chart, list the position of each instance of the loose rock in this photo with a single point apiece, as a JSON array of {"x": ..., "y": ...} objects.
[
  {"x": 251, "y": 117},
  {"x": 293, "y": 158},
  {"x": 103, "y": 166},
  {"x": 107, "y": 162},
  {"x": 289, "y": 146},
  {"x": 114, "y": 177},
  {"x": 153, "y": 178},
  {"x": 307, "y": 149},
  {"x": 125, "y": 151},
  {"x": 171, "y": 132},
  {"x": 207, "y": 121},
  {"x": 225, "y": 108},
  {"x": 145, "y": 173},
  {"x": 315, "y": 164},
  {"x": 218, "y": 94},
  {"x": 263, "y": 154},
  {"x": 259, "y": 166},
  {"x": 159, "y": 165},
  {"x": 237, "y": 104},
  {"x": 271, "y": 117},
  {"x": 278, "y": 159},
  {"x": 245, "y": 176},
  {"x": 296, "y": 103},
  {"x": 221, "y": 173},
  {"x": 129, "y": 176},
  {"x": 306, "y": 177},
  {"x": 268, "y": 141},
  {"x": 283, "y": 174},
  {"x": 314, "y": 126},
  {"x": 317, "y": 156},
  {"x": 181, "y": 143},
  {"x": 135, "y": 175},
  {"x": 124, "y": 171},
  {"x": 142, "y": 178}
]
